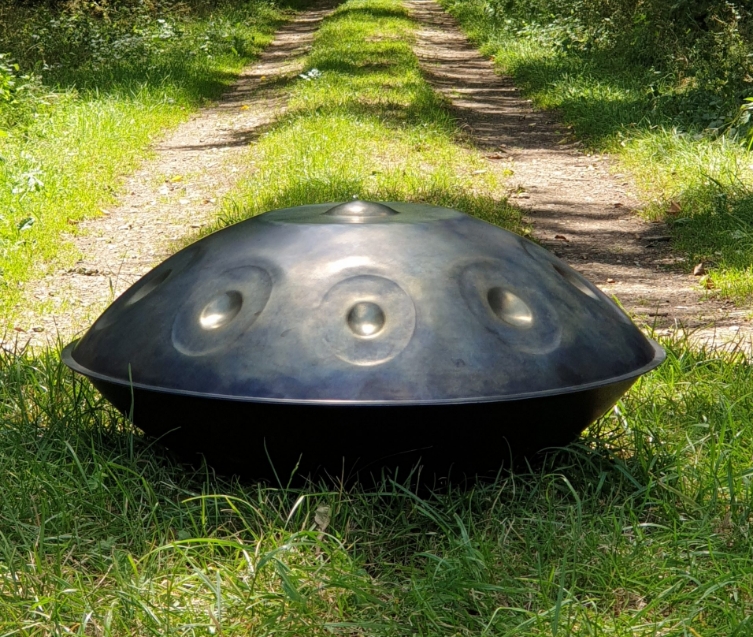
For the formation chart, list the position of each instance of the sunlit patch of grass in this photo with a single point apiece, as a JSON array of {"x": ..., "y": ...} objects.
[
  {"x": 85, "y": 127},
  {"x": 363, "y": 122},
  {"x": 703, "y": 189}
]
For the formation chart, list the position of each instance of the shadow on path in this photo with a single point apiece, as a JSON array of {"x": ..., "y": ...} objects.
[{"x": 579, "y": 208}]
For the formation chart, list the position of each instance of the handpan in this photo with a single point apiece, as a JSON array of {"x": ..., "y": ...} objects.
[{"x": 346, "y": 337}]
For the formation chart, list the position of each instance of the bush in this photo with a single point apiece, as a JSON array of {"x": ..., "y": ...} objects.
[
  {"x": 703, "y": 49},
  {"x": 17, "y": 94}
]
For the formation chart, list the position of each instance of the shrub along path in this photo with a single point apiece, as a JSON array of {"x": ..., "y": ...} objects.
[
  {"x": 171, "y": 196},
  {"x": 578, "y": 206}
]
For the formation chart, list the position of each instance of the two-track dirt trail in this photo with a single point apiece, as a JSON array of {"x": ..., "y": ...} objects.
[
  {"x": 171, "y": 196},
  {"x": 578, "y": 206}
]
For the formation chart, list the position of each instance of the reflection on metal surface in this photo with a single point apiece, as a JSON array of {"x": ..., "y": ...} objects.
[
  {"x": 223, "y": 317},
  {"x": 366, "y": 319},
  {"x": 149, "y": 287},
  {"x": 348, "y": 262},
  {"x": 221, "y": 310},
  {"x": 509, "y": 307},
  {"x": 574, "y": 280},
  {"x": 361, "y": 210},
  {"x": 370, "y": 304}
]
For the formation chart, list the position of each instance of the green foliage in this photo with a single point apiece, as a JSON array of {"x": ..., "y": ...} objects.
[
  {"x": 20, "y": 95},
  {"x": 701, "y": 51},
  {"x": 84, "y": 90}
]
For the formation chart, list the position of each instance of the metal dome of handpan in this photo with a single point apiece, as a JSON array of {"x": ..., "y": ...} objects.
[{"x": 361, "y": 335}]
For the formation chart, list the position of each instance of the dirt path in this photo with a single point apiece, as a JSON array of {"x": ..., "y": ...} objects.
[
  {"x": 171, "y": 196},
  {"x": 579, "y": 207}
]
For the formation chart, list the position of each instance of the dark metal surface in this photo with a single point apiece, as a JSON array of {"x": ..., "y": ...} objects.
[{"x": 361, "y": 304}]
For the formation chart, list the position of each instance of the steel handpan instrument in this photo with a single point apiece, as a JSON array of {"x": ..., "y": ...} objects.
[{"x": 339, "y": 337}]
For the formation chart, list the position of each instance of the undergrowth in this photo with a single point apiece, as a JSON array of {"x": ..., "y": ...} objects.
[
  {"x": 662, "y": 90},
  {"x": 84, "y": 91},
  {"x": 363, "y": 122}
]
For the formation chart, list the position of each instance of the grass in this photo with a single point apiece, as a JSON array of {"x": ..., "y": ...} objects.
[
  {"x": 364, "y": 122},
  {"x": 654, "y": 124},
  {"x": 72, "y": 130},
  {"x": 644, "y": 527}
]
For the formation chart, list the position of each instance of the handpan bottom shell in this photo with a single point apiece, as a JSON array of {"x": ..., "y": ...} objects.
[{"x": 268, "y": 440}]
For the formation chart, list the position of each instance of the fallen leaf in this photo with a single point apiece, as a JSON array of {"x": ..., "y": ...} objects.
[
  {"x": 610, "y": 280},
  {"x": 495, "y": 156},
  {"x": 38, "y": 329},
  {"x": 25, "y": 224},
  {"x": 674, "y": 208},
  {"x": 322, "y": 517},
  {"x": 617, "y": 205},
  {"x": 561, "y": 237},
  {"x": 244, "y": 107},
  {"x": 177, "y": 178},
  {"x": 699, "y": 270}
]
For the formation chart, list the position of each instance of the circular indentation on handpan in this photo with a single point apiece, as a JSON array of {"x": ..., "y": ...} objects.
[
  {"x": 359, "y": 211},
  {"x": 590, "y": 290},
  {"x": 220, "y": 310},
  {"x": 578, "y": 282},
  {"x": 147, "y": 285},
  {"x": 509, "y": 307},
  {"x": 367, "y": 320},
  {"x": 517, "y": 313}
]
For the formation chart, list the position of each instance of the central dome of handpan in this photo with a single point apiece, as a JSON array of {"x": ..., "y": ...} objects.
[{"x": 363, "y": 335}]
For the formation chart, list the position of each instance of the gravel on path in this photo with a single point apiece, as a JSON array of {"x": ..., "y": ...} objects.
[
  {"x": 169, "y": 198},
  {"x": 579, "y": 206}
]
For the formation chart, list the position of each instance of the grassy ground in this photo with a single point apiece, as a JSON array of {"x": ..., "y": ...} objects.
[
  {"x": 363, "y": 122},
  {"x": 702, "y": 184},
  {"x": 642, "y": 529},
  {"x": 92, "y": 96}
]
